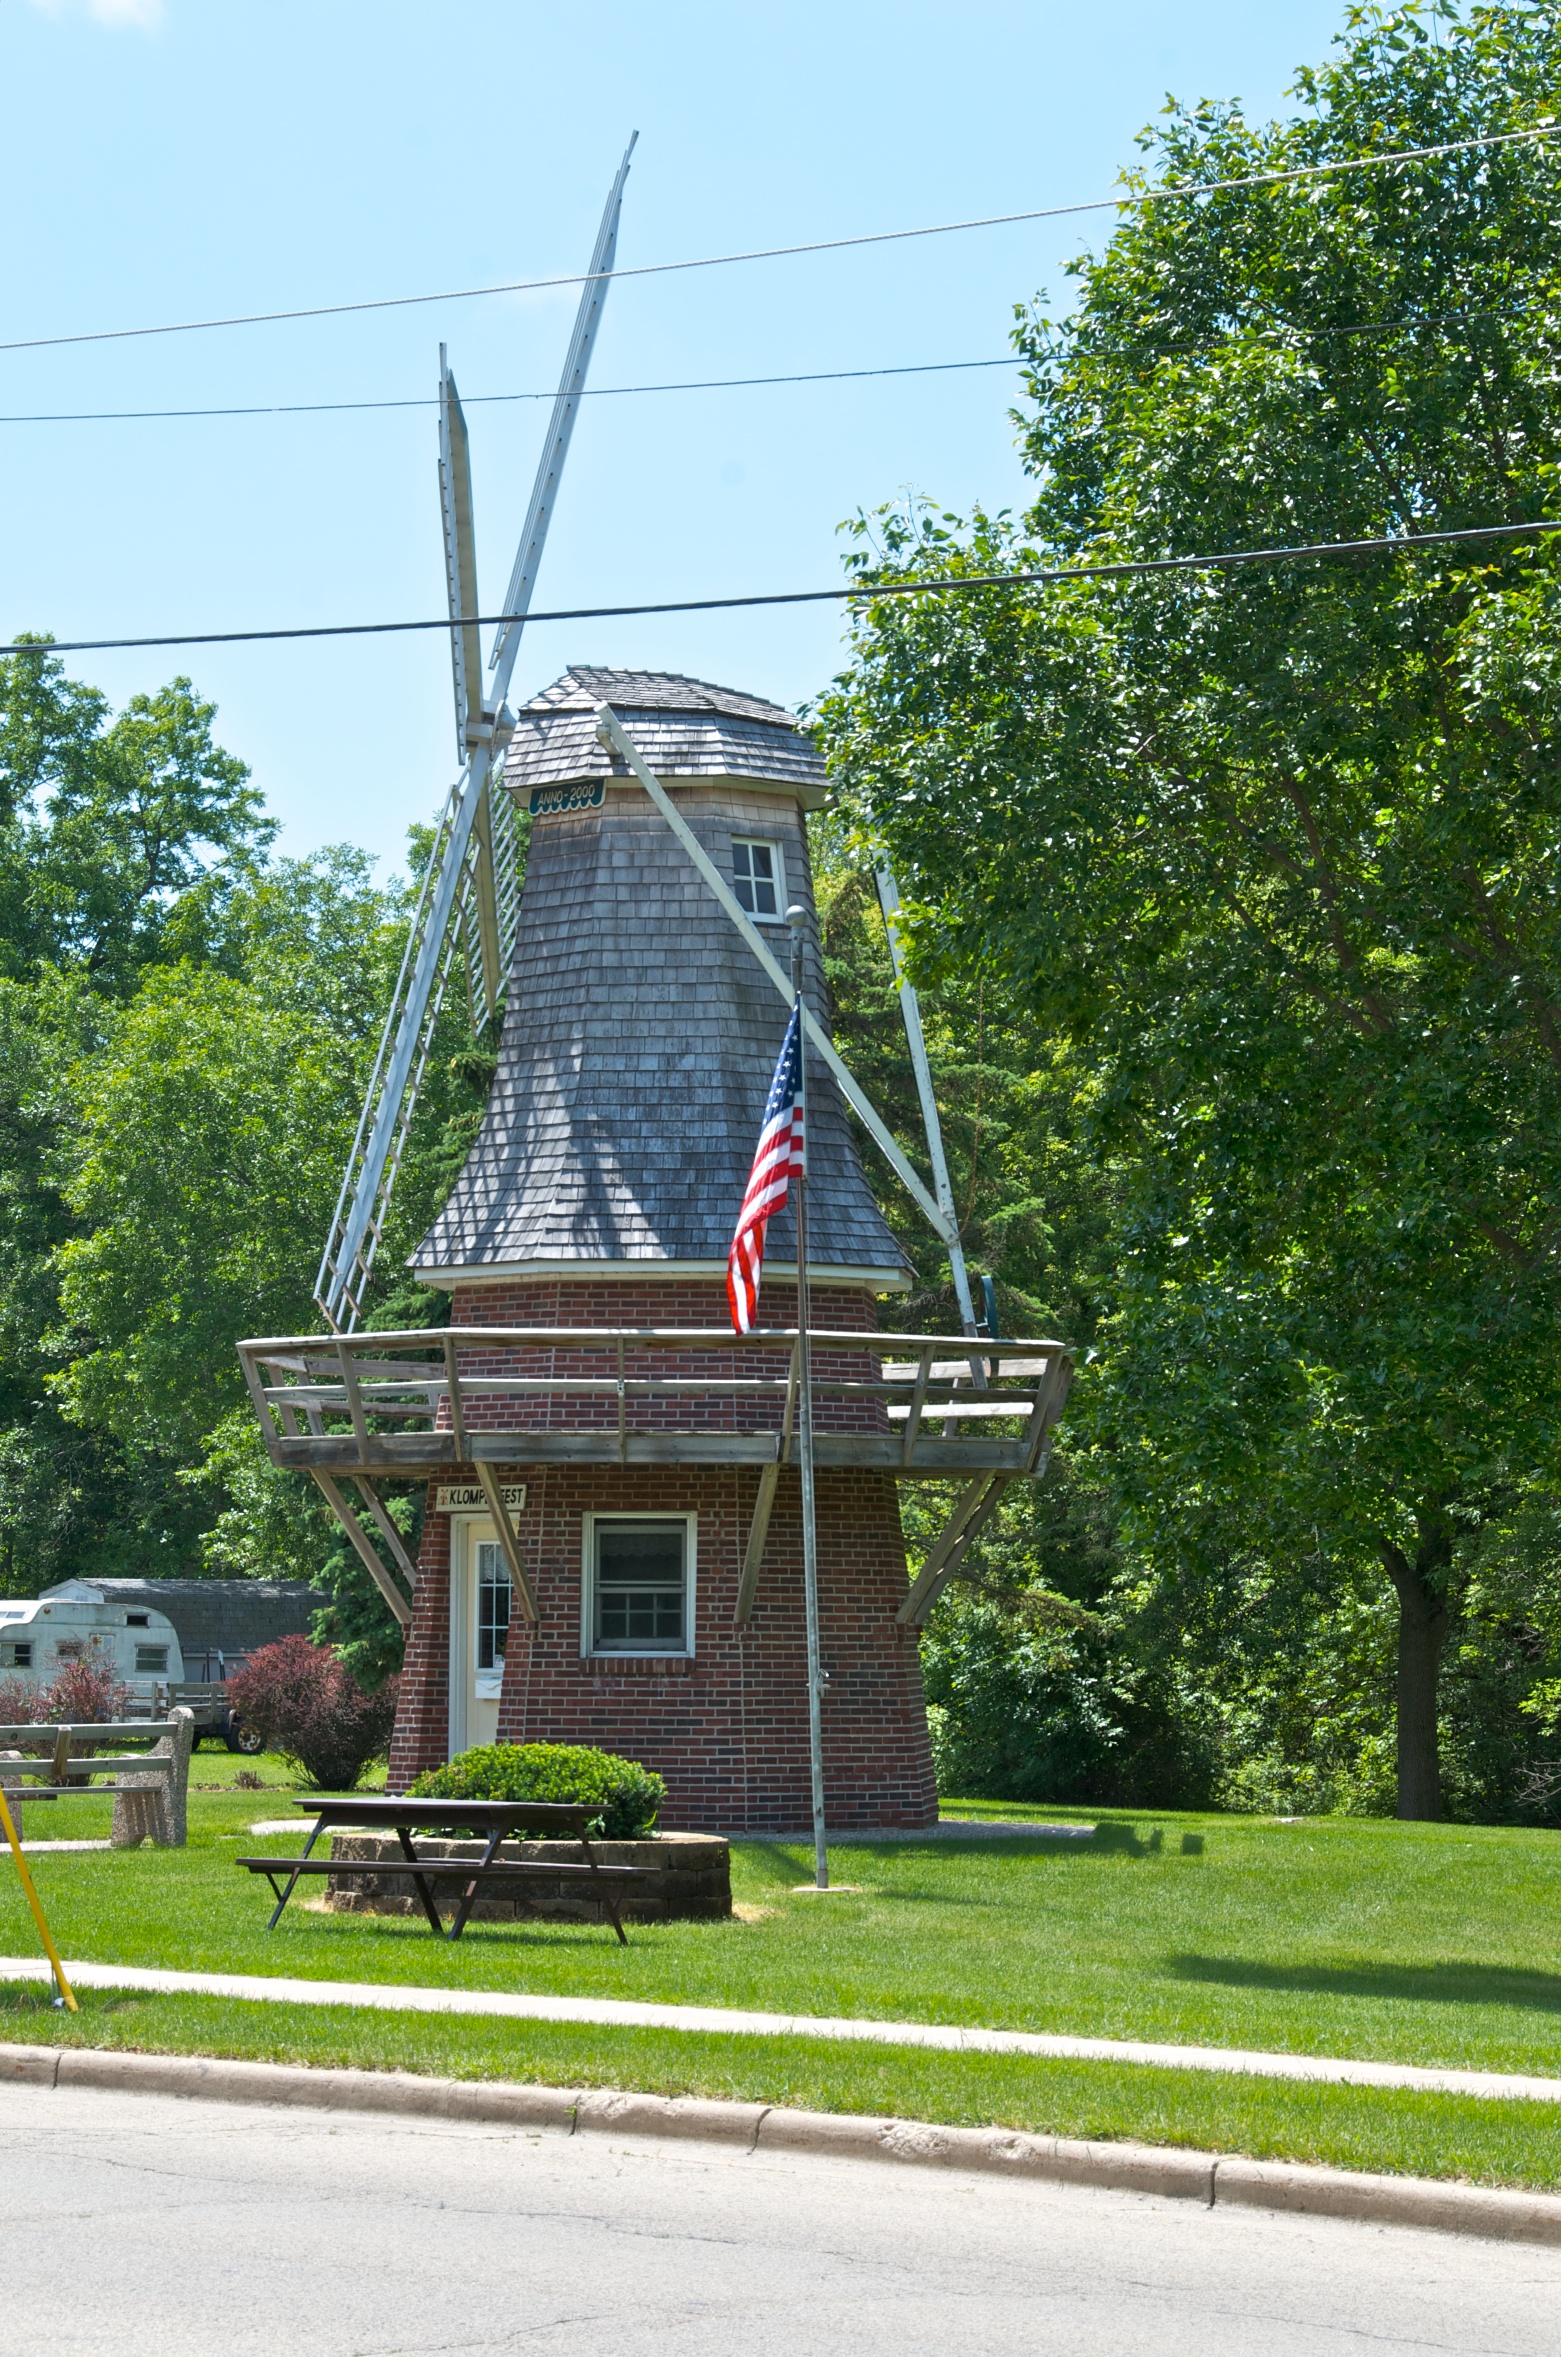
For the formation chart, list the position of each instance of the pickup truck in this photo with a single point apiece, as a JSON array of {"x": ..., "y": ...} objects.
[{"x": 207, "y": 1698}]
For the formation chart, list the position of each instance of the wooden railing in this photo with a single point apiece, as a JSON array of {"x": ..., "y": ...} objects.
[{"x": 917, "y": 1406}]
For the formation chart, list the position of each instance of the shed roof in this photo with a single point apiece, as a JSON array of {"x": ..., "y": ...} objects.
[{"x": 232, "y": 1616}]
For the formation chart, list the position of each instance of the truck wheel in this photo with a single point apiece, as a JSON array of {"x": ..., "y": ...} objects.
[{"x": 237, "y": 1737}]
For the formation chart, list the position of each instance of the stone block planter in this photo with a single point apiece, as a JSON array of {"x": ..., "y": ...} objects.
[{"x": 693, "y": 1882}]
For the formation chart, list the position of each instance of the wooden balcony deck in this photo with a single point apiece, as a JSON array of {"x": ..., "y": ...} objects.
[{"x": 920, "y": 1407}]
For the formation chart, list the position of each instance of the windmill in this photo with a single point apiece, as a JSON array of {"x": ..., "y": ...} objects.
[
  {"x": 468, "y": 897},
  {"x": 610, "y": 1547},
  {"x": 468, "y": 894}
]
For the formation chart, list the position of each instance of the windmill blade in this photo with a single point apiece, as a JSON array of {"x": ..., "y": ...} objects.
[
  {"x": 533, "y": 538},
  {"x": 358, "y": 1225},
  {"x": 488, "y": 903},
  {"x": 470, "y": 890},
  {"x": 460, "y": 557},
  {"x": 910, "y": 1009},
  {"x": 490, "y": 898},
  {"x": 478, "y": 896}
]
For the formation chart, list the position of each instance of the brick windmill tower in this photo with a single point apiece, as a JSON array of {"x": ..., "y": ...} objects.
[
  {"x": 600, "y": 1194},
  {"x": 612, "y": 1552}
]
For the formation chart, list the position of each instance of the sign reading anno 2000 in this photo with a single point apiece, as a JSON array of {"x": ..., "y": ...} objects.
[
  {"x": 546, "y": 799},
  {"x": 472, "y": 1498}
]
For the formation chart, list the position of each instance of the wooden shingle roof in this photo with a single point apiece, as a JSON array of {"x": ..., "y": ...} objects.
[
  {"x": 684, "y": 727},
  {"x": 640, "y": 1034}
]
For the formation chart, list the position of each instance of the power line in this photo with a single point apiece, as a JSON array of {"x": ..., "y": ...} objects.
[
  {"x": 864, "y": 591},
  {"x": 709, "y": 384},
  {"x": 819, "y": 376},
  {"x": 823, "y": 245}
]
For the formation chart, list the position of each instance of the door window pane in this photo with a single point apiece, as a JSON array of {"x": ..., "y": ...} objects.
[
  {"x": 641, "y": 1587},
  {"x": 493, "y": 1603}
]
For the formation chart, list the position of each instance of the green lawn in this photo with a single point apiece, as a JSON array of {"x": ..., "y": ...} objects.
[
  {"x": 1420, "y": 1944},
  {"x": 1342, "y": 2127}
]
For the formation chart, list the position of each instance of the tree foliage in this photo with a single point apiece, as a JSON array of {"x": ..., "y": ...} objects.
[{"x": 1272, "y": 848}]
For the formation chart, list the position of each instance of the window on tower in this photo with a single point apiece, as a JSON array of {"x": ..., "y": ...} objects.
[
  {"x": 759, "y": 879},
  {"x": 640, "y": 1581}
]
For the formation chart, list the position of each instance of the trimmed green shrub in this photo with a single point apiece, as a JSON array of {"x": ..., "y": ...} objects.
[{"x": 626, "y": 1797}]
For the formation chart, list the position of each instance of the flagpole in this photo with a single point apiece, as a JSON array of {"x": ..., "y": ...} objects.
[{"x": 797, "y": 919}]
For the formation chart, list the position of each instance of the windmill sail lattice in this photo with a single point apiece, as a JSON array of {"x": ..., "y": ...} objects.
[{"x": 470, "y": 889}]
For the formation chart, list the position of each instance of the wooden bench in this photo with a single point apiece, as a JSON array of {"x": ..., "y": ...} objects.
[
  {"x": 151, "y": 1788},
  {"x": 492, "y": 1821}
]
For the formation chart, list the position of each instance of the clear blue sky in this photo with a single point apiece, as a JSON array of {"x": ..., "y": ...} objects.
[{"x": 168, "y": 159}]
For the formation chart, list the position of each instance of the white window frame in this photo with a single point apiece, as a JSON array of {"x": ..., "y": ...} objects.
[
  {"x": 778, "y": 853},
  {"x": 588, "y": 1646}
]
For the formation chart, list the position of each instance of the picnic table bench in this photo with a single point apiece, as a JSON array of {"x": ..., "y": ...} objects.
[{"x": 493, "y": 1821}]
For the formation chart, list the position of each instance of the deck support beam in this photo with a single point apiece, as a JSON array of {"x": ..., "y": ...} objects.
[
  {"x": 976, "y": 1505},
  {"x": 519, "y": 1575},
  {"x": 387, "y": 1529},
  {"x": 758, "y": 1533},
  {"x": 365, "y": 1547}
]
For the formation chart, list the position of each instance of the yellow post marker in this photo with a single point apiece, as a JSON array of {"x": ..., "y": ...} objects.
[{"x": 39, "y": 1918}]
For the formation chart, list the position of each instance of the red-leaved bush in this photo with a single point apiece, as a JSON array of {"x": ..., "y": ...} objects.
[
  {"x": 84, "y": 1689},
  {"x": 302, "y": 1702},
  {"x": 18, "y": 1702},
  {"x": 80, "y": 1690}
]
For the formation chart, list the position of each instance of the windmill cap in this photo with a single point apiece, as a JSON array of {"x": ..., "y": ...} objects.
[{"x": 685, "y": 728}]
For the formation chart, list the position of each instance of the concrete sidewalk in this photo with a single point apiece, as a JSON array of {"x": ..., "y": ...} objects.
[{"x": 618, "y": 2013}]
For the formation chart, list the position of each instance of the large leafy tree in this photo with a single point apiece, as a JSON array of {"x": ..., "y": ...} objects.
[
  {"x": 1275, "y": 848},
  {"x": 186, "y": 1025}
]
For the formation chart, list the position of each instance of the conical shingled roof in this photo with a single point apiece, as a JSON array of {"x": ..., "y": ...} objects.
[
  {"x": 640, "y": 1033},
  {"x": 684, "y": 728}
]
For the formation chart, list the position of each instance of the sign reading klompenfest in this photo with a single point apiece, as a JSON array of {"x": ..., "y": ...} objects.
[{"x": 471, "y": 1498}]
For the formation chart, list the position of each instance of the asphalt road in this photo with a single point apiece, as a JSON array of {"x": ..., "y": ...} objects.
[{"x": 140, "y": 2224}]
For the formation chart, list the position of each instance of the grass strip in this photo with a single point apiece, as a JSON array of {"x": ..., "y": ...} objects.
[
  {"x": 1391, "y": 2130},
  {"x": 1432, "y": 1945}
]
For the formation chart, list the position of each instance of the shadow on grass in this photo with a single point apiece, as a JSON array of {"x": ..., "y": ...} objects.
[{"x": 1429, "y": 1984}]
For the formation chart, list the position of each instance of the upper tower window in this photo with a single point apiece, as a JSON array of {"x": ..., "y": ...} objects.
[{"x": 759, "y": 879}]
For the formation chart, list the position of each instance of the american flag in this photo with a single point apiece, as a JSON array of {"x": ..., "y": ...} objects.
[{"x": 775, "y": 1164}]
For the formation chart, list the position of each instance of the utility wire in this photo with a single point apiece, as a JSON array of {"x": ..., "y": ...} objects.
[
  {"x": 822, "y": 245},
  {"x": 865, "y": 592},
  {"x": 707, "y": 384},
  {"x": 819, "y": 376}
]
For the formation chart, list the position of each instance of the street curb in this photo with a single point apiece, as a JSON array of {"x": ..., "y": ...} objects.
[{"x": 1209, "y": 2179}]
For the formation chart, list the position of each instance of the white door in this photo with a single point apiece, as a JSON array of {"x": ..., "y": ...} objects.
[{"x": 480, "y": 1596}]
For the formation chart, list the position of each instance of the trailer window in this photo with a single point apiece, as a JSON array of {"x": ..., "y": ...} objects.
[
  {"x": 17, "y": 1654},
  {"x": 70, "y": 1648},
  {"x": 150, "y": 1658},
  {"x": 138, "y": 1620}
]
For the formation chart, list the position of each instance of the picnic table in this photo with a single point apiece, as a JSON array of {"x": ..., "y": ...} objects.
[{"x": 492, "y": 1821}]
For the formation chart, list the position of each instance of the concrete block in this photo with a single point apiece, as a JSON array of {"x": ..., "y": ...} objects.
[
  {"x": 1489, "y": 2210},
  {"x": 35, "y": 2066},
  {"x": 661, "y": 2115}
]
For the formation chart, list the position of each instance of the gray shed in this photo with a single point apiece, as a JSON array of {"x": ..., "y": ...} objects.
[{"x": 233, "y": 1618}]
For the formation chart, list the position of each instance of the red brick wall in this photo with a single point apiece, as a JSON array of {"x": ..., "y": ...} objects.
[{"x": 727, "y": 1729}]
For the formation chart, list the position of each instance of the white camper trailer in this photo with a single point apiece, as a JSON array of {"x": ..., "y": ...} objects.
[{"x": 72, "y": 1622}]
